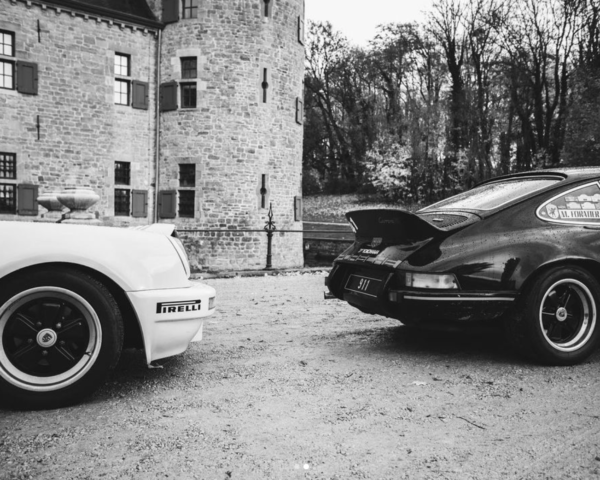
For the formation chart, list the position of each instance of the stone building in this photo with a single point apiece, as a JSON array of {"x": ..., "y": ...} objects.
[{"x": 179, "y": 111}]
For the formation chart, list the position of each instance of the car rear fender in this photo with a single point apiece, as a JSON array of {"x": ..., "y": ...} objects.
[{"x": 592, "y": 266}]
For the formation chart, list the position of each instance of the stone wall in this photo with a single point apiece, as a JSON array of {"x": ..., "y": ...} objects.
[
  {"x": 81, "y": 130},
  {"x": 237, "y": 140}
]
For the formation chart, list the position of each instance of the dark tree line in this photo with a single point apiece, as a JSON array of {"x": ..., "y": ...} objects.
[{"x": 483, "y": 88}]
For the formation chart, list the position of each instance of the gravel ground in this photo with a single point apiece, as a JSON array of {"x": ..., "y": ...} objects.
[{"x": 288, "y": 386}]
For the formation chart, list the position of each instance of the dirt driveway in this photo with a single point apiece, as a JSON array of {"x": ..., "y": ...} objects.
[{"x": 287, "y": 386}]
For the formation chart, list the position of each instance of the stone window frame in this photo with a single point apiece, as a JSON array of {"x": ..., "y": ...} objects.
[
  {"x": 189, "y": 67},
  {"x": 189, "y": 95},
  {"x": 122, "y": 85}
]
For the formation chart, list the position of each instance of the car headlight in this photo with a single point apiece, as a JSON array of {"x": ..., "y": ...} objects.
[{"x": 439, "y": 281}]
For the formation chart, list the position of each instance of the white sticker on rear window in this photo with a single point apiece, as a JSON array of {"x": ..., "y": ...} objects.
[{"x": 580, "y": 206}]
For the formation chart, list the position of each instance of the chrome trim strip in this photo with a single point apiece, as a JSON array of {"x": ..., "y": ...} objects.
[{"x": 457, "y": 298}]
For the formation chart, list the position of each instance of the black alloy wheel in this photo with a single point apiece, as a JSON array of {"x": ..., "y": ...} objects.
[
  {"x": 61, "y": 334},
  {"x": 556, "y": 321}
]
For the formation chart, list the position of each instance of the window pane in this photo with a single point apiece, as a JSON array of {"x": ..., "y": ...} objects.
[
  {"x": 186, "y": 203},
  {"x": 493, "y": 195},
  {"x": 122, "y": 198},
  {"x": 121, "y": 65},
  {"x": 8, "y": 165},
  {"x": 122, "y": 173},
  {"x": 122, "y": 92},
  {"x": 188, "y": 95},
  {"x": 189, "y": 67},
  {"x": 7, "y": 43},
  {"x": 190, "y": 8},
  {"x": 7, "y": 199},
  {"x": 187, "y": 175},
  {"x": 7, "y": 75}
]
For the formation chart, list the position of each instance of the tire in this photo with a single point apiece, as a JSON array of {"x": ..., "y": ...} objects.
[
  {"x": 557, "y": 319},
  {"x": 61, "y": 334}
]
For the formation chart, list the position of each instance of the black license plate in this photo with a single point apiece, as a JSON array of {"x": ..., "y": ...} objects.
[{"x": 363, "y": 285}]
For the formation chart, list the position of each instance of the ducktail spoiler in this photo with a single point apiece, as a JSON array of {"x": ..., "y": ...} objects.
[{"x": 393, "y": 226}]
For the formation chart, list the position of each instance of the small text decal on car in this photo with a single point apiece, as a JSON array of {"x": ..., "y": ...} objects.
[{"x": 174, "y": 307}]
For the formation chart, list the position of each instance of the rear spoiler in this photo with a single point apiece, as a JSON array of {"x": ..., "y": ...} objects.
[{"x": 396, "y": 225}]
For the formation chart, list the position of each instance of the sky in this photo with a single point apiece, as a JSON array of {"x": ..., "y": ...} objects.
[{"x": 357, "y": 19}]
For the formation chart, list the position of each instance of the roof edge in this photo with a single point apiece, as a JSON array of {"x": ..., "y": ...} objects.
[{"x": 105, "y": 12}]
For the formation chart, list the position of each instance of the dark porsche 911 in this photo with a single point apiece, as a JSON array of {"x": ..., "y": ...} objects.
[{"x": 523, "y": 249}]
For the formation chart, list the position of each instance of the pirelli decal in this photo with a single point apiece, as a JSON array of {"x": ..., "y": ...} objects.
[{"x": 178, "y": 307}]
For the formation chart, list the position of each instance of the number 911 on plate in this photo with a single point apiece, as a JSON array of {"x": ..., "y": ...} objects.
[{"x": 363, "y": 285}]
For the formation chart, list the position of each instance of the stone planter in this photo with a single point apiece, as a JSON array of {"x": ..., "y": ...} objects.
[
  {"x": 50, "y": 202},
  {"x": 78, "y": 200}
]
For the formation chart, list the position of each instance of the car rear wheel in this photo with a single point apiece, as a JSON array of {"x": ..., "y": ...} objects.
[
  {"x": 61, "y": 334},
  {"x": 558, "y": 321}
]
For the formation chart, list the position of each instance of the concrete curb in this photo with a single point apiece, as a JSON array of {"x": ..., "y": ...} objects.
[{"x": 257, "y": 273}]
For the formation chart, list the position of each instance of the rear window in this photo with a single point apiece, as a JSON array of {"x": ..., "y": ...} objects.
[{"x": 493, "y": 195}]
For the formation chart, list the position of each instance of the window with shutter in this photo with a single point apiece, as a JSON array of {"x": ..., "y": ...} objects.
[
  {"x": 170, "y": 12},
  {"x": 168, "y": 96},
  {"x": 139, "y": 203},
  {"x": 27, "y": 199},
  {"x": 27, "y": 78},
  {"x": 167, "y": 204},
  {"x": 140, "y": 95}
]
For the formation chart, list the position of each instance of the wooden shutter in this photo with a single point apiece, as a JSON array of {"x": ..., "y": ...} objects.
[
  {"x": 170, "y": 11},
  {"x": 299, "y": 110},
  {"x": 27, "y": 200},
  {"x": 139, "y": 95},
  {"x": 297, "y": 209},
  {"x": 168, "y": 96},
  {"x": 139, "y": 203},
  {"x": 167, "y": 204},
  {"x": 27, "y": 78}
]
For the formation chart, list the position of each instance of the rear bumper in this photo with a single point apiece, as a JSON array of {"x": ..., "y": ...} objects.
[
  {"x": 421, "y": 306},
  {"x": 171, "y": 318}
]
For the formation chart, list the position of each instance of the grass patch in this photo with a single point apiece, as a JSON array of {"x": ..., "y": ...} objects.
[{"x": 332, "y": 208}]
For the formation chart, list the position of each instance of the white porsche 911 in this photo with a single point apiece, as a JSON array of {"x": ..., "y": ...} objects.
[{"x": 71, "y": 296}]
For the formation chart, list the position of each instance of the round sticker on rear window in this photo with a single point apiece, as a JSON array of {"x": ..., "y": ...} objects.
[{"x": 580, "y": 205}]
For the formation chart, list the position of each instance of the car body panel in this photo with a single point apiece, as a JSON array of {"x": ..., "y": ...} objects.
[
  {"x": 144, "y": 263},
  {"x": 492, "y": 253},
  {"x": 172, "y": 317},
  {"x": 135, "y": 260}
]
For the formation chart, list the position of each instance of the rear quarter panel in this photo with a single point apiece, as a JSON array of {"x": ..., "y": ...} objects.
[{"x": 501, "y": 252}]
